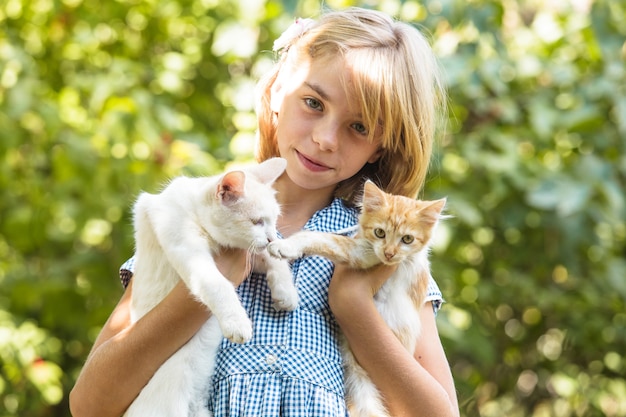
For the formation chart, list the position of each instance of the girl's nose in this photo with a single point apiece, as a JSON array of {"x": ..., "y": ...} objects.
[{"x": 326, "y": 135}]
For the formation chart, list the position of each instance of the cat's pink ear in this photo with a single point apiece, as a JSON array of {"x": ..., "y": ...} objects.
[
  {"x": 373, "y": 197},
  {"x": 231, "y": 187}
]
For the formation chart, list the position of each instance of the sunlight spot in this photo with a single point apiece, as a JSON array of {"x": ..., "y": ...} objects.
[
  {"x": 613, "y": 361},
  {"x": 95, "y": 231},
  {"x": 119, "y": 151},
  {"x": 559, "y": 274},
  {"x": 531, "y": 316},
  {"x": 504, "y": 312},
  {"x": 141, "y": 150},
  {"x": 460, "y": 319},
  {"x": 527, "y": 382},
  {"x": 546, "y": 27},
  {"x": 550, "y": 344}
]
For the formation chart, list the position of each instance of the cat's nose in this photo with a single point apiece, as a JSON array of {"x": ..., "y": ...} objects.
[
  {"x": 389, "y": 255},
  {"x": 271, "y": 237}
]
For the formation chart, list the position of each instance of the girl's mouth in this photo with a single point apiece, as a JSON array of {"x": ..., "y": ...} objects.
[{"x": 310, "y": 164}]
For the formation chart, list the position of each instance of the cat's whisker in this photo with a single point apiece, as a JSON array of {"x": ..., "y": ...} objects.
[{"x": 249, "y": 262}]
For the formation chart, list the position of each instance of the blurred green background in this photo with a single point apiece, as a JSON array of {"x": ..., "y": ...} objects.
[{"x": 102, "y": 99}]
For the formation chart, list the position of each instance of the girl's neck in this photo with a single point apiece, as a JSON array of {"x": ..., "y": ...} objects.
[{"x": 298, "y": 204}]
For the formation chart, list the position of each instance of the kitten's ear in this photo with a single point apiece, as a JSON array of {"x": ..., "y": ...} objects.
[
  {"x": 231, "y": 187},
  {"x": 373, "y": 197},
  {"x": 269, "y": 170},
  {"x": 432, "y": 211}
]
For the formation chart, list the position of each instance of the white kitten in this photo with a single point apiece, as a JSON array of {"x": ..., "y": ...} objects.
[{"x": 177, "y": 232}]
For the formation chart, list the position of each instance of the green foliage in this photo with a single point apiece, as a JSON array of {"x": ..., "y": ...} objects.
[
  {"x": 534, "y": 171},
  {"x": 99, "y": 100}
]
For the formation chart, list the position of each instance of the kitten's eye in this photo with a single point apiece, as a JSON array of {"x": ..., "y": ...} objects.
[
  {"x": 257, "y": 222},
  {"x": 407, "y": 239},
  {"x": 379, "y": 233}
]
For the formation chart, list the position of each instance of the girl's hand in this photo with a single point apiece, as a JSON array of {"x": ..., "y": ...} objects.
[{"x": 234, "y": 264}]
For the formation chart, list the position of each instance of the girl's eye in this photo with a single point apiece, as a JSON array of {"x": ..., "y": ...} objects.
[
  {"x": 313, "y": 103},
  {"x": 360, "y": 128},
  {"x": 407, "y": 239},
  {"x": 379, "y": 233}
]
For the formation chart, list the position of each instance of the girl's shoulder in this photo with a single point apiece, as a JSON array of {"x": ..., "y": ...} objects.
[{"x": 337, "y": 217}]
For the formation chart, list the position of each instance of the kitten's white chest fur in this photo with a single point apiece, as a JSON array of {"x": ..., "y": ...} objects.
[
  {"x": 177, "y": 233},
  {"x": 397, "y": 302}
]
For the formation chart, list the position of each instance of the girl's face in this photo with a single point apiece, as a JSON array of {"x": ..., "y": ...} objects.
[{"x": 319, "y": 129}]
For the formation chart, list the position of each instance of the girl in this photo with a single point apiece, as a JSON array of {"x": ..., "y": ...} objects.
[{"x": 353, "y": 96}]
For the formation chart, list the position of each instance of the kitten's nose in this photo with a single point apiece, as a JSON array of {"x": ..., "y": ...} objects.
[{"x": 389, "y": 255}]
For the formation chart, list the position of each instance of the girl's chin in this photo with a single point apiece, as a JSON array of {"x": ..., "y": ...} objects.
[{"x": 311, "y": 182}]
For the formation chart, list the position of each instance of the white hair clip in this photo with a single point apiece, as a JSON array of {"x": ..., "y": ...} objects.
[{"x": 293, "y": 32}]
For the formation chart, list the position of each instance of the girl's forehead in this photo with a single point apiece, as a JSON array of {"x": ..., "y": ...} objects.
[
  {"x": 326, "y": 73},
  {"x": 334, "y": 78}
]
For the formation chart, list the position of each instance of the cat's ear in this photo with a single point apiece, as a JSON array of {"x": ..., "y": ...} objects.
[
  {"x": 231, "y": 187},
  {"x": 269, "y": 170},
  {"x": 432, "y": 210},
  {"x": 373, "y": 197}
]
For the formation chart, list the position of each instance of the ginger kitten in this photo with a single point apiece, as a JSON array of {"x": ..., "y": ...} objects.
[{"x": 392, "y": 230}]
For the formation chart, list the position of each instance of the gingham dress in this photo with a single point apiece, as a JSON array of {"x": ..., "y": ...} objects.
[{"x": 292, "y": 365}]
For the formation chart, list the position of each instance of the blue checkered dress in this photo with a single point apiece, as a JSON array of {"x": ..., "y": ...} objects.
[{"x": 292, "y": 365}]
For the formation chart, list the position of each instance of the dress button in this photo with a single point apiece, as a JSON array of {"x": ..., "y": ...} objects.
[{"x": 271, "y": 359}]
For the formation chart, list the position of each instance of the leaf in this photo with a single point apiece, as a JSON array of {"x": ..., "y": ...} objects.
[{"x": 563, "y": 195}]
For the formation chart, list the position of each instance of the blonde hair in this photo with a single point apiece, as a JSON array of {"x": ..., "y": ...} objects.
[{"x": 396, "y": 80}]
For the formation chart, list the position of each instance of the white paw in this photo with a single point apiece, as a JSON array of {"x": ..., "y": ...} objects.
[
  {"x": 283, "y": 249},
  {"x": 285, "y": 297},
  {"x": 237, "y": 329}
]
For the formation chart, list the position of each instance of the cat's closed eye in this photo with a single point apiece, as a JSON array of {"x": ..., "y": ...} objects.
[
  {"x": 257, "y": 222},
  {"x": 379, "y": 233},
  {"x": 407, "y": 239}
]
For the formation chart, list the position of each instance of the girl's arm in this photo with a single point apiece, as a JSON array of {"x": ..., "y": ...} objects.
[
  {"x": 412, "y": 385},
  {"x": 125, "y": 356}
]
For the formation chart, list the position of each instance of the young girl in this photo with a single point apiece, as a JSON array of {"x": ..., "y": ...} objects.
[{"x": 353, "y": 96}]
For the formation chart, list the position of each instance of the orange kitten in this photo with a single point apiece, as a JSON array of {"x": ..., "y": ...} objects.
[{"x": 393, "y": 230}]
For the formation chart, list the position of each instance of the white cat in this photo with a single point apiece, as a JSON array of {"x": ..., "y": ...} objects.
[{"x": 177, "y": 232}]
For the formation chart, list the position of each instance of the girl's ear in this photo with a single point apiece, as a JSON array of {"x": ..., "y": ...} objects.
[
  {"x": 376, "y": 156},
  {"x": 277, "y": 95}
]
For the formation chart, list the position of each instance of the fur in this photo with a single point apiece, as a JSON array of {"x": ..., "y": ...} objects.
[
  {"x": 393, "y": 230},
  {"x": 177, "y": 233}
]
